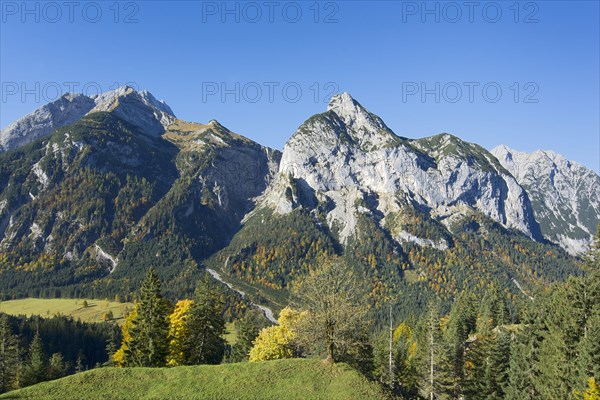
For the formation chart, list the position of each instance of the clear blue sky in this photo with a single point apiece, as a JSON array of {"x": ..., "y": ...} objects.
[{"x": 380, "y": 52}]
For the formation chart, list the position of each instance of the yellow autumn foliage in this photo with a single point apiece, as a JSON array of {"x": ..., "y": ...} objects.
[
  {"x": 179, "y": 331},
  {"x": 592, "y": 392},
  {"x": 276, "y": 342},
  {"x": 119, "y": 356},
  {"x": 404, "y": 332}
]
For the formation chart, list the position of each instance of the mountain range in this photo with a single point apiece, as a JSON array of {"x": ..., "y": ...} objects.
[{"x": 93, "y": 190}]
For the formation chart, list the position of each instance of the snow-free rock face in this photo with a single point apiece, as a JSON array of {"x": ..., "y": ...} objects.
[
  {"x": 565, "y": 195},
  {"x": 69, "y": 108},
  {"x": 349, "y": 159},
  {"x": 138, "y": 108}
]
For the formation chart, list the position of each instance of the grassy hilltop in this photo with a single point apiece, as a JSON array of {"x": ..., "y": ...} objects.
[{"x": 280, "y": 379}]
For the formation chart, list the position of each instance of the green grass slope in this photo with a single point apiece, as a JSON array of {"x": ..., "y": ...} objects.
[
  {"x": 281, "y": 379},
  {"x": 72, "y": 307}
]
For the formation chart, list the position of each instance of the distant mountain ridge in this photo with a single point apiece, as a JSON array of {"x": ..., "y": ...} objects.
[
  {"x": 348, "y": 154},
  {"x": 95, "y": 190},
  {"x": 565, "y": 195},
  {"x": 139, "y": 108}
]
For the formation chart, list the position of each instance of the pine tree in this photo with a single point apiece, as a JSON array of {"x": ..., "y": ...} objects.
[
  {"x": 34, "y": 370},
  {"x": 404, "y": 380},
  {"x": 149, "y": 344},
  {"x": 9, "y": 356},
  {"x": 111, "y": 348},
  {"x": 79, "y": 367},
  {"x": 207, "y": 325},
  {"x": 588, "y": 360}
]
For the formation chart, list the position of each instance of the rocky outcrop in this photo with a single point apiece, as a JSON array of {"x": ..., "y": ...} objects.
[{"x": 565, "y": 195}]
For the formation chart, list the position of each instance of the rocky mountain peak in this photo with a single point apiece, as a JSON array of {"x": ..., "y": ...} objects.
[
  {"x": 65, "y": 110},
  {"x": 347, "y": 154},
  {"x": 141, "y": 109},
  {"x": 363, "y": 126}
]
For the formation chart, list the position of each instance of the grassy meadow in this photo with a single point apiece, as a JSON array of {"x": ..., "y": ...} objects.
[{"x": 280, "y": 379}]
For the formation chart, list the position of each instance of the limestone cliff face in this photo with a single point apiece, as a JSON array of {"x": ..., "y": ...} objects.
[
  {"x": 138, "y": 108},
  {"x": 348, "y": 158},
  {"x": 565, "y": 195}
]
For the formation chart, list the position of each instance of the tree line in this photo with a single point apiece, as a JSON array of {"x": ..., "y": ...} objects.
[{"x": 35, "y": 349}]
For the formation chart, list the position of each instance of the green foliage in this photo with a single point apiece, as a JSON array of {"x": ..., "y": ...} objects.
[
  {"x": 34, "y": 369},
  {"x": 273, "y": 255},
  {"x": 57, "y": 367},
  {"x": 247, "y": 328},
  {"x": 205, "y": 344},
  {"x": 149, "y": 332},
  {"x": 9, "y": 356},
  {"x": 435, "y": 366},
  {"x": 403, "y": 380},
  {"x": 334, "y": 299}
]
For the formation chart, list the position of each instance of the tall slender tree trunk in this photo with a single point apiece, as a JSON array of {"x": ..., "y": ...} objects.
[
  {"x": 431, "y": 360},
  {"x": 391, "y": 362},
  {"x": 330, "y": 358}
]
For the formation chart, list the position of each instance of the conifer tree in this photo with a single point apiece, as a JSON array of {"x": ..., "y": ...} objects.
[
  {"x": 57, "y": 368},
  {"x": 206, "y": 344},
  {"x": 588, "y": 360},
  {"x": 34, "y": 370},
  {"x": 461, "y": 323},
  {"x": 435, "y": 365},
  {"x": 9, "y": 356},
  {"x": 497, "y": 366},
  {"x": 111, "y": 348},
  {"x": 149, "y": 344},
  {"x": 247, "y": 328},
  {"x": 519, "y": 386}
]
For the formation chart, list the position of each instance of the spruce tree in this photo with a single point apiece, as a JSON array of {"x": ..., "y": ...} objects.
[
  {"x": 247, "y": 329},
  {"x": 588, "y": 360},
  {"x": 435, "y": 366},
  {"x": 519, "y": 385},
  {"x": 149, "y": 344},
  {"x": 9, "y": 356},
  {"x": 57, "y": 368},
  {"x": 34, "y": 370},
  {"x": 497, "y": 366},
  {"x": 461, "y": 323},
  {"x": 206, "y": 325}
]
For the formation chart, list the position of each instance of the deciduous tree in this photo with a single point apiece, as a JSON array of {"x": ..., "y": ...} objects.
[{"x": 334, "y": 298}]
